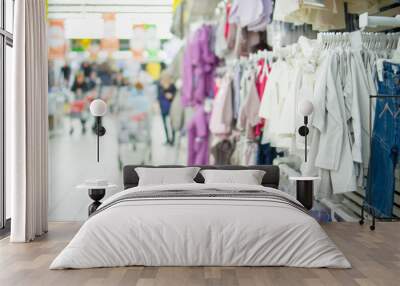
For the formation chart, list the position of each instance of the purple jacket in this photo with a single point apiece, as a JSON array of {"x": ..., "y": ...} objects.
[
  {"x": 198, "y": 134},
  {"x": 187, "y": 76},
  {"x": 198, "y": 68}
]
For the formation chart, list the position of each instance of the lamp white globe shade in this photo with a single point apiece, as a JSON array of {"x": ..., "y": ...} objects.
[
  {"x": 98, "y": 107},
  {"x": 305, "y": 107}
]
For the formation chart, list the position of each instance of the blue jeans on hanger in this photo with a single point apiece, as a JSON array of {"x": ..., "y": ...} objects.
[
  {"x": 385, "y": 143},
  {"x": 266, "y": 154}
]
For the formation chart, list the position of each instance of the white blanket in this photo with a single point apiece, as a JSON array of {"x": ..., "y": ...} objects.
[{"x": 200, "y": 231}]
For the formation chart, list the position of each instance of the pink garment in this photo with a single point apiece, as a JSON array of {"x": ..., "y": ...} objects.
[
  {"x": 248, "y": 116},
  {"x": 227, "y": 25},
  {"x": 261, "y": 78},
  {"x": 222, "y": 112},
  {"x": 260, "y": 85},
  {"x": 198, "y": 138}
]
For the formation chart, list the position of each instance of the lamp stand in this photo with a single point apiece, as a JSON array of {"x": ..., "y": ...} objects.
[
  {"x": 304, "y": 131},
  {"x": 98, "y": 139},
  {"x": 100, "y": 131}
]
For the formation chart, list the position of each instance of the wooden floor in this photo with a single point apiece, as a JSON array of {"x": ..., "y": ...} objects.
[{"x": 375, "y": 257}]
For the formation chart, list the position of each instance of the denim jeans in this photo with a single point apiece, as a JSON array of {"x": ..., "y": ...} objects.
[
  {"x": 385, "y": 143},
  {"x": 266, "y": 154}
]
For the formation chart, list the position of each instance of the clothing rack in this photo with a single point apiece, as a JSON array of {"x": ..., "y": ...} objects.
[
  {"x": 376, "y": 43},
  {"x": 367, "y": 205},
  {"x": 371, "y": 41}
]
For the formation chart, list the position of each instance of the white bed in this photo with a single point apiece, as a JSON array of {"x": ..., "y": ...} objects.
[{"x": 185, "y": 230}]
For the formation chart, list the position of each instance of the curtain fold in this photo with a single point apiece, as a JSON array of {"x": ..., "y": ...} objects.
[{"x": 27, "y": 123}]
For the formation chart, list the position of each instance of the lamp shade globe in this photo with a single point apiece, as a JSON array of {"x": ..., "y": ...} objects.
[
  {"x": 98, "y": 108},
  {"x": 305, "y": 107}
]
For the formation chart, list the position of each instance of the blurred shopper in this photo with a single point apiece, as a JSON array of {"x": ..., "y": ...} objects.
[
  {"x": 87, "y": 69},
  {"x": 66, "y": 74},
  {"x": 119, "y": 82},
  {"x": 166, "y": 94},
  {"x": 92, "y": 81},
  {"x": 78, "y": 104},
  {"x": 80, "y": 83},
  {"x": 51, "y": 75},
  {"x": 105, "y": 73}
]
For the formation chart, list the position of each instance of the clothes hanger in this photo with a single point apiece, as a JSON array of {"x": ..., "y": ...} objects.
[
  {"x": 379, "y": 42},
  {"x": 327, "y": 41},
  {"x": 383, "y": 42},
  {"x": 369, "y": 41},
  {"x": 387, "y": 42},
  {"x": 394, "y": 38}
]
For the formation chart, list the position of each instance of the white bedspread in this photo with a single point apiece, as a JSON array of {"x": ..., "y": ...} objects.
[{"x": 200, "y": 231}]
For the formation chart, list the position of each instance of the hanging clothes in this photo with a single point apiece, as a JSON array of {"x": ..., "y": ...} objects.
[
  {"x": 266, "y": 154},
  {"x": 226, "y": 20},
  {"x": 198, "y": 67},
  {"x": 248, "y": 115},
  {"x": 198, "y": 133},
  {"x": 385, "y": 143},
  {"x": 237, "y": 75},
  {"x": 187, "y": 76},
  {"x": 250, "y": 153},
  {"x": 177, "y": 113},
  {"x": 222, "y": 113},
  {"x": 222, "y": 152},
  {"x": 221, "y": 37},
  {"x": 261, "y": 81},
  {"x": 334, "y": 151},
  {"x": 254, "y": 14},
  {"x": 278, "y": 96},
  {"x": 177, "y": 26}
]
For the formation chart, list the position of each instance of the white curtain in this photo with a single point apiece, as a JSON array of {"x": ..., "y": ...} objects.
[{"x": 26, "y": 123}]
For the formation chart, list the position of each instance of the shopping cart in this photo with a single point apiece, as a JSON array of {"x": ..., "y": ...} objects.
[
  {"x": 57, "y": 100},
  {"x": 78, "y": 109},
  {"x": 134, "y": 127}
]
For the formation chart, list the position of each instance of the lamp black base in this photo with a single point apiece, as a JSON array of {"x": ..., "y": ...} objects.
[
  {"x": 96, "y": 195},
  {"x": 304, "y": 193}
]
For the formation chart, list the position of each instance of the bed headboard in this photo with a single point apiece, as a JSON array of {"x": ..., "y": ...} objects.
[{"x": 271, "y": 177}]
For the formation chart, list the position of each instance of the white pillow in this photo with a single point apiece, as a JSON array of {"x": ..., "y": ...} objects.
[
  {"x": 248, "y": 177},
  {"x": 163, "y": 176}
]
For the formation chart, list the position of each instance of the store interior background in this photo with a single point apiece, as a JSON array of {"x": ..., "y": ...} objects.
[{"x": 127, "y": 43}]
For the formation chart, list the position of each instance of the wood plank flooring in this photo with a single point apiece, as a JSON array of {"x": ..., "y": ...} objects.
[{"x": 375, "y": 257}]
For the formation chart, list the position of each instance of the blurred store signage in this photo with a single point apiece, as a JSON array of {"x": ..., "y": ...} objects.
[
  {"x": 109, "y": 43},
  {"x": 83, "y": 45},
  {"x": 145, "y": 44},
  {"x": 56, "y": 37}
]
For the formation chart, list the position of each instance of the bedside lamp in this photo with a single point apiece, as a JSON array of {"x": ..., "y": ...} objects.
[
  {"x": 305, "y": 109},
  {"x": 98, "y": 108}
]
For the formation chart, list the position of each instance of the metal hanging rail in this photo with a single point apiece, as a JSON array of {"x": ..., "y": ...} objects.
[{"x": 366, "y": 21}]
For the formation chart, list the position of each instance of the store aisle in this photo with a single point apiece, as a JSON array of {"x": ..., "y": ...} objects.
[
  {"x": 164, "y": 154},
  {"x": 73, "y": 160}
]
